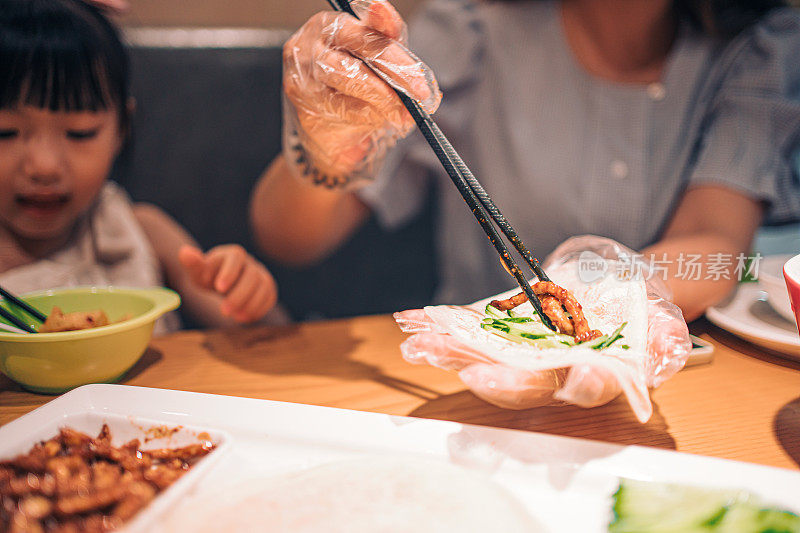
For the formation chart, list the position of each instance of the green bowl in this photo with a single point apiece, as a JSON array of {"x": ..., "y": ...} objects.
[{"x": 52, "y": 363}]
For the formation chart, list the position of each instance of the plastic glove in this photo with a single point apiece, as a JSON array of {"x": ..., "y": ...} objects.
[
  {"x": 587, "y": 381},
  {"x": 340, "y": 117},
  {"x": 498, "y": 384}
]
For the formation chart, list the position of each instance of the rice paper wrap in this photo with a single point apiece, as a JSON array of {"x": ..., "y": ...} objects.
[{"x": 520, "y": 375}]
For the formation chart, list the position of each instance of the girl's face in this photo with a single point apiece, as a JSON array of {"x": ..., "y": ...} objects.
[{"x": 52, "y": 166}]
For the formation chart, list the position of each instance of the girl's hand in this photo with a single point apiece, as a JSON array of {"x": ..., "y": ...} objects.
[
  {"x": 344, "y": 114},
  {"x": 249, "y": 289}
]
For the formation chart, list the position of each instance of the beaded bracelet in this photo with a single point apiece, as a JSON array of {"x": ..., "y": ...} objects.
[{"x": 300, "y": 158}]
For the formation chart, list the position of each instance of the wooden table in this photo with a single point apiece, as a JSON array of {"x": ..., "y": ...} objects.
[{"x": 744, "y": 406}]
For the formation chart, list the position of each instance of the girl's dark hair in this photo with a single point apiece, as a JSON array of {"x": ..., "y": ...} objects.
[{"x": 61, "y": 55}]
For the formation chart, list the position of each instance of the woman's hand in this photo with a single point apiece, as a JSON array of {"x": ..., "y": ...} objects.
[
  {"x": 345, "y": 115},
  {"x": 498, "y": 384},
  {"x": 249, "y": 290}
]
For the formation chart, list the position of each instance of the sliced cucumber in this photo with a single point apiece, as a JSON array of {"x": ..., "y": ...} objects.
[
  {"x": 492, "y": 324},
  {"x": 598, "y": 342},
  {"x": 528, "y": 331},
  {"x": 493, "y": 312},
  {"x": 514, "y": 314},
  {"x": 610, "y": 339},
  {"x": 518, "y": 328},
  {"x": 644, "y": 507},
  {"x": 519, "y": 319}
]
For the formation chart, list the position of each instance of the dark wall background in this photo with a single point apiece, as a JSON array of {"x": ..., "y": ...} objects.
[{"x": 235, "y": 13}]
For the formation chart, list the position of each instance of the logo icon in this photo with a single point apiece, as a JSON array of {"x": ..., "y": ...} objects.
[{"x": 591, "y": 267}]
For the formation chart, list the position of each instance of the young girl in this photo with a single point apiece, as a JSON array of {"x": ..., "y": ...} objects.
[{"x": 64, "y": 115}]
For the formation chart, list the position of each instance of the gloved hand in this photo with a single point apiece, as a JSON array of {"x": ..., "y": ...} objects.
[
  {"x": 586, "y": 380},
  {"x": 498, "y": 384},
  {"x": 340, "y": 117}
]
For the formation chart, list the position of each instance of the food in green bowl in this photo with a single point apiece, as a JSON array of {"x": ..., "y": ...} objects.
[
  {"x": 55, "y": 362},
  {"x": 58, "y": 320}
]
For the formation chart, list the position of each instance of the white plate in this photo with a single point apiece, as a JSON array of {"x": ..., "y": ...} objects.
[
  {"x": 566, "y": 484},
  {"x": 770, "y": 278},
  {"x": 747, "y": 314}
]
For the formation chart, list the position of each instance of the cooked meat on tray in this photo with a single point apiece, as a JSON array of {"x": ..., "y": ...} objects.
[{"x": 76, "y": 483}]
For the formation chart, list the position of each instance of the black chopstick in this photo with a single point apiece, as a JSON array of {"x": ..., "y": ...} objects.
[
  {"x": 342, "y": 6},
  {"x": 22, "y": 305},
  {"x": 484, "y": 198},
  {"x": 473, "y": 193},
  {"x": 16, "y": 321},
  {"x": 440, "y": 145}
]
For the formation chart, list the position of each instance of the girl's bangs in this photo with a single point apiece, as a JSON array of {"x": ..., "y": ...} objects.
[
  {"x": 53, "y": 80},
  {"x": 60, "y": 64}
]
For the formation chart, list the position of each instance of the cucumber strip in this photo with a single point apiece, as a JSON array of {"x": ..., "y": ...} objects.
[
  {"x": 519, "y": 328},
  {"x": 493, "y": 312},
  {"x": 533, "y": 336},
  {"x": 527, "y": 326},
  {"x": 618, "y": 331},
  {"x": 534, "y": 329},
  {"x": 513, "y": 314},
  {"x": 496, "y": 325},
  {"x": 614, "y": 339},
  {"x": 515, "y": 334},
  {"x": 610, "y": 339},
  {"x": 598, "y": 342},
  {"x": 519, "y": 319}
]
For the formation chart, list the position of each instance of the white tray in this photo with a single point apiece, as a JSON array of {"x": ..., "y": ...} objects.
[{"x": 565, "y": 483}]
